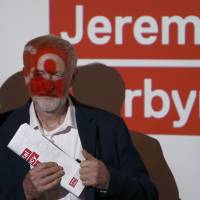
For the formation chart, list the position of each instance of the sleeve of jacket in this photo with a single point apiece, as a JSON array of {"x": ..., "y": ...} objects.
[
  {"x": 10, "y": 187},
  {"x": 131, "y": 181},
  {"x": 11, "y": 171}
]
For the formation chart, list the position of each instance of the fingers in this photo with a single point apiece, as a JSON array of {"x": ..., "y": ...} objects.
[
  {"x": 44, "y": 165},
  {"x": 41, "y": 178},
  {"x": 93, "y": 172},
  {"x": 52, "y": 175},
  {"x": 50, "y": 185},
  {"x": 89, "y": 163},
  {"x": 87, "y": 155},
  {"x": 45, "y": 172}
]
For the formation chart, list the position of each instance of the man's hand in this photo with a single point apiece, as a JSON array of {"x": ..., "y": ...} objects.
[
  {"x": 94, "y": 172},
  {"x": 41, "y": 178}
]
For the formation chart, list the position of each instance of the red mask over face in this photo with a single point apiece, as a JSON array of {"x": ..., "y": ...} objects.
[{"x": 45, "y": 72}]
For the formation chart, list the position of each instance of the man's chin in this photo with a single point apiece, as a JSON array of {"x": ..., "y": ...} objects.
[
  {"x": 45, "y": 97},
  {"x": 48, "y": 104}
]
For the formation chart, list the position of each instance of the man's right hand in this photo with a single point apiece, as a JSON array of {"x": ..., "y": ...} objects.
[{"x": 41, "y": 178}]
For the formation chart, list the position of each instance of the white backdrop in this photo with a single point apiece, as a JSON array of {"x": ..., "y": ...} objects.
[{"x": 22, "y": 20}]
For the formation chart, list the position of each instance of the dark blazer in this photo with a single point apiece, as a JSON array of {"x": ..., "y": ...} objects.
[
  {"x": 102, "y": 134},
  {"x": 3, "y": 117}
]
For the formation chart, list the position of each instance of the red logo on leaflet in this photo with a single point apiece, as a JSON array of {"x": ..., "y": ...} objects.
[
  {"x": 26, "y": 153},
  {"x": 73, "y": 182},
  {"x": 30, "y": 157}
]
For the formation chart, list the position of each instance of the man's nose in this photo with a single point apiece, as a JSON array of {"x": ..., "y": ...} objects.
[{"x": 49, "y": 84}]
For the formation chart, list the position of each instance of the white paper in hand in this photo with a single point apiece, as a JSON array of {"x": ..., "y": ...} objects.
[{"x": 34, "y": 148}]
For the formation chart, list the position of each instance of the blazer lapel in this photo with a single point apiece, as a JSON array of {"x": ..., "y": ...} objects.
[
  {"x": 88, "y": 136},
  {"x": 87, "y": 130}
]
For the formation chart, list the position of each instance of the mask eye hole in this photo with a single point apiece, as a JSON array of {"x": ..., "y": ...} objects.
[{"x": 38, "y": 73}]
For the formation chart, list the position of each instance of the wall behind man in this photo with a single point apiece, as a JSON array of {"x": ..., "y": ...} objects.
[{"x": 22, "y": 20}]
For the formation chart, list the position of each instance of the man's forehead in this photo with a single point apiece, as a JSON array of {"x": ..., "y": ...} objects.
[
  {"x": 51, "y": 60},
  {"x": 33, "y": 54}
]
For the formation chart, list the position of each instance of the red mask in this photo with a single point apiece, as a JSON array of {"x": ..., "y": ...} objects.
[{"x": 45, "y": 72}]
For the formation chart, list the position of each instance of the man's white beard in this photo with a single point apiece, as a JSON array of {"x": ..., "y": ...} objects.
[{"x": 48, "y": 104}]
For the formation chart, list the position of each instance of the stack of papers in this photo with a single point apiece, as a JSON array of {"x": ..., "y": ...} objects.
[{"x": 34, "y": 148}]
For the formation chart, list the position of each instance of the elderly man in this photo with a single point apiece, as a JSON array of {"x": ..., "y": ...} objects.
[{"x": 110, "y": 167}]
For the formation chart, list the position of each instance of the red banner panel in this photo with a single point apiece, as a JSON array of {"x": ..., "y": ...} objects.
[
  {"x": 153, "y": 45},
  {"x": 129, "y": 29},
  {"x": 164, "y": 101}
]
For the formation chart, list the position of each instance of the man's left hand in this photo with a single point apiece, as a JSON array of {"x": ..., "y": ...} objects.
[{"x": 94, "y": 172}]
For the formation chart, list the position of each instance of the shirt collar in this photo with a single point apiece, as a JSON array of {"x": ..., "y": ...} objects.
[{"x": 69, "y": 121}]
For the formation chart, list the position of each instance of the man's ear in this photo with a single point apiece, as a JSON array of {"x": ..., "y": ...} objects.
[
  {"x": 25, "y": 73},
  {"x": 74, "y": 75}
]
